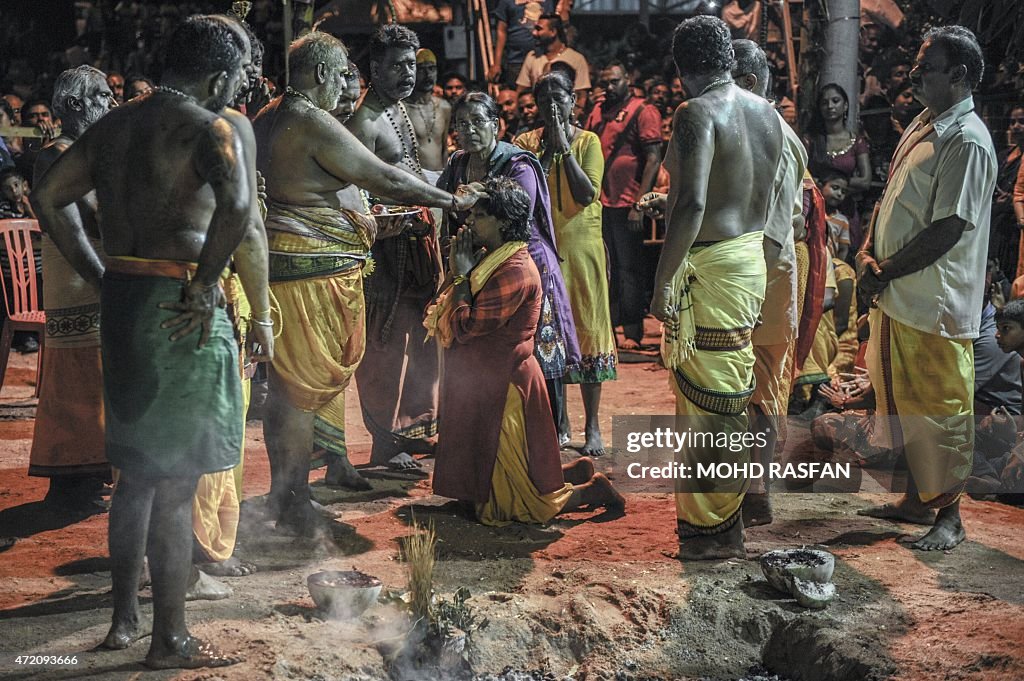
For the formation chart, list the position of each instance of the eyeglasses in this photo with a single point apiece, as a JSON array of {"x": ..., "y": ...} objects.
[{"x": 472, "y": 124}]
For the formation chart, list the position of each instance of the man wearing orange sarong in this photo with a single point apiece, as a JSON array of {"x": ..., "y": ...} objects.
[
  {"x": 67, "y": 445},
  {"x": 923, "y": 263}
]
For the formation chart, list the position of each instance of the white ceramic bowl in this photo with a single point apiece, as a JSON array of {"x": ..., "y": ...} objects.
[
  {"x": 343, "y": 594},
  {"x": 809, "y": 565}
]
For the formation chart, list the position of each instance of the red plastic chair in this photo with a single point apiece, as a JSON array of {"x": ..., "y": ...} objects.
[{"x": 25, "y": 315}]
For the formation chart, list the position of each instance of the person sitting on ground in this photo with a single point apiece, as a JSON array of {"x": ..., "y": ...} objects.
[
  {"x": 834, "y": 186},
  {"x": 508, "y": 464}
]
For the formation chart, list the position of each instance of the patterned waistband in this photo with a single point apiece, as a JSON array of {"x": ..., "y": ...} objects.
[
  {"x": 293, "y": 267},
  {"x": 714, "y": 401},
  {"x": 720, "y": 340}
]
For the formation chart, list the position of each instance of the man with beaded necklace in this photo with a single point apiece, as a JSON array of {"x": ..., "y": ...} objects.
[
  {"x": 398, "y": 378},
  {"x": 320, "y": 234}
]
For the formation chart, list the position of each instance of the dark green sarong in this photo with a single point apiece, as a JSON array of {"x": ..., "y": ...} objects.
[{"x": 172, "y": 409}]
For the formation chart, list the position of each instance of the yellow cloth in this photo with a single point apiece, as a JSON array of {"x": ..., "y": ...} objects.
[
  {"x": 583, "y": 264},
  {"x": 215, "y": 505},
  {"x": 513, "y": 495},
  {"x": 438, "y": 319},
  {"x": 846, "y": 353},
  {"x": 713, "y": 384},
  {"x": 924, "y": 383}
]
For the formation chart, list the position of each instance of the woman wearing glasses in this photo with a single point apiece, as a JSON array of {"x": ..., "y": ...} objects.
[{"x": 481, "y": 157}]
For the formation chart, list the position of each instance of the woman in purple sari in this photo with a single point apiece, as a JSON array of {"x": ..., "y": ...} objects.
[{"x": 483, "y": 156}]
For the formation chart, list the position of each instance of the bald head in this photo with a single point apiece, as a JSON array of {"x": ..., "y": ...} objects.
[{"x": 751, "y": 69}]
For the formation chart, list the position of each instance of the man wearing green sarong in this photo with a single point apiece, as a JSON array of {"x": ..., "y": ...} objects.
[{"x": 172, "y": 187}]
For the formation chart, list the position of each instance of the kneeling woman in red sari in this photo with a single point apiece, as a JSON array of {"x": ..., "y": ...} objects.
[{"x": 497, "y": 445}]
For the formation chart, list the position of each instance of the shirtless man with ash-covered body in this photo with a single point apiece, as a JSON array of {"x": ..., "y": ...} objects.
[
  {"x": 174, "y": 195},
  {"x": 314, "y": 169},
  {"x": 398, "y": 379},
  {"x": 725, "y": 149}
]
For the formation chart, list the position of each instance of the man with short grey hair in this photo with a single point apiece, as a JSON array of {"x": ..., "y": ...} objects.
[{"x": 68, "y": 443}]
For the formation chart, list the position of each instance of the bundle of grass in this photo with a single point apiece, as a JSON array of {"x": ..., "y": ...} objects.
[{"x": 419, "y": 556}]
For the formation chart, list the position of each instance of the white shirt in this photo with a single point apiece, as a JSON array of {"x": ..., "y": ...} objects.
[
  {"x": 778, "y": 311},
  {"x": 536, "y": 66},
  {"x": 943, "y": 167}
]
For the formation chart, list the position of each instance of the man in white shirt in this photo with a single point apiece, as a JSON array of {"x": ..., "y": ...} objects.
[
  {"x": 775, "y": 337},
  {"x": 923, "y": 263},
  {"x": 549, "y": 35}
]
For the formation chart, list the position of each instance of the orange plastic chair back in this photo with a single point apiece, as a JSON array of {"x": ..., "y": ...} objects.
[{"x": 17, "y": 235}]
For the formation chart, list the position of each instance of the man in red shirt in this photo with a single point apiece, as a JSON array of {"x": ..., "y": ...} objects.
[{"x": 630, "y": 133}]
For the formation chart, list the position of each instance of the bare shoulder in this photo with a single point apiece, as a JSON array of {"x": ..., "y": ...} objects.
[
  {"x": 443, "y": 104},
  {"x": 692, "y": 123},
  {"x": 241, "y": 124},
  {"x": 364, "y": 122}
]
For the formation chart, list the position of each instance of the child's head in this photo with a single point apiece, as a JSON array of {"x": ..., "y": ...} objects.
[
  {"x": 1010, "y": 327},
  {"x": 12, "y": 185},
  {"x": 834, "y": 188}
]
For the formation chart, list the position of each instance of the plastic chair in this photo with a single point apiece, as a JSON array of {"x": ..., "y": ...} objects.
[{"x": 24, "y": 299}]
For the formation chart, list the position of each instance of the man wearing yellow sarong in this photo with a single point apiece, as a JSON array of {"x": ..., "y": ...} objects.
[
  {"x": 722, "y": 159},
  {"x": 923, "y": 264},
  {"x": 320, "y": 235}
]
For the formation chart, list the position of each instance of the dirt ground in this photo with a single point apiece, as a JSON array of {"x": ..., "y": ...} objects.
[{"x": 591, "y": 596}]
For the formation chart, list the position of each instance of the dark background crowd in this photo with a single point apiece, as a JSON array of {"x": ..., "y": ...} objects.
[{"x": 124, "y": 38}]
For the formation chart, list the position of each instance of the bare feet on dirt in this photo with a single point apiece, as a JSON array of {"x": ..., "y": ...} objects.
[
  {"x": 602, "y": 493},
  {"x": 206, "y": 588},
  {"x": 579, "y": 472},
  {"x": 907, "y": 510},
  {"x": 594, "y": 445},
  {"x": 232, "y": 567},
  {"x": 123, "y": 634},
  {"x": 189, "y": 653},
  {"x": 341, "y": 473},
  {"x": 947, "y": 532},
  {"x": 728, "y": 544},
  {"x": 757, "y": 510},
  {"x": 301, "y": 519}
]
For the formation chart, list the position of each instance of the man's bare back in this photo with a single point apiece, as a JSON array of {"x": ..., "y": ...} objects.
[
  {"x": 145, "y": 160},
  {"x": 736, "y": 182}
]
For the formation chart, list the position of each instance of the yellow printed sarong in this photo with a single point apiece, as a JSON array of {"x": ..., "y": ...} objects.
[
  {"x": 514, "y": 498},
  {"x": 317, "y": 259},
  {"x": 924, "y": 390},
  {"x": 719, "y": 294}
]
